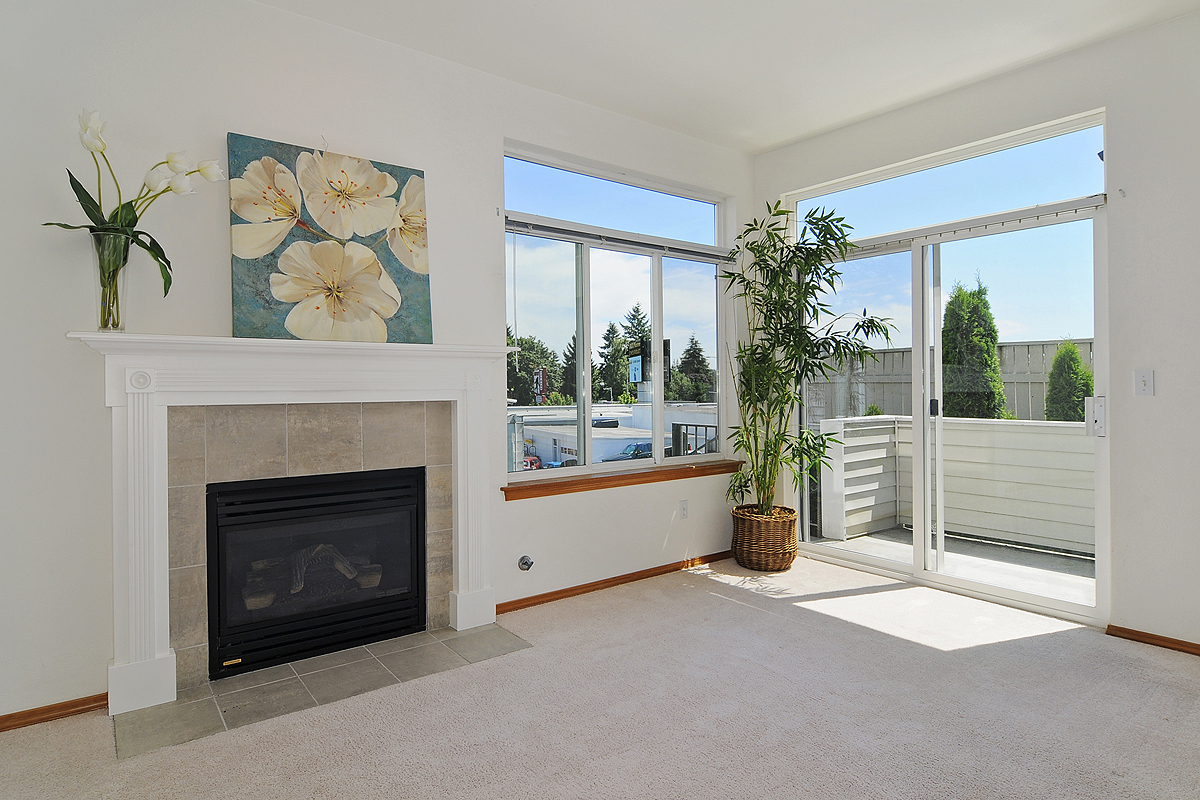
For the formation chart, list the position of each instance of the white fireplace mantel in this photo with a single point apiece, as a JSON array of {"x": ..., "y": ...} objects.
[{"x": 144, "y": 374}]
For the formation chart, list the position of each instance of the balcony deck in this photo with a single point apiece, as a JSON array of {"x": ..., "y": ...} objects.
[{"x": 1041, "y": 572}]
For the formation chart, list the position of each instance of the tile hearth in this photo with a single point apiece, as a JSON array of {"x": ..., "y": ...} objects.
[{"x": 268, "y": 693}]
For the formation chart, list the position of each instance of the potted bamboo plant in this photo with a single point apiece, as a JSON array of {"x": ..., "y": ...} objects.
[{"x": 791, "y": 337}]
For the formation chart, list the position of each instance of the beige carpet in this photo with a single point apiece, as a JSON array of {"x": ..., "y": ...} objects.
[{"x": 820, "y": 683}]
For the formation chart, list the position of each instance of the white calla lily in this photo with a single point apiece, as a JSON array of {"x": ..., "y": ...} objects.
[
  {"x": 407, "y": 234},
  {"x": 346, "y": 196},
  {"x": 268, "y": 196},
  {"x": 90, "y": 119},
  {"x": 157, "y": 179},
  {"x": 182, "y": 184},
  {"x": 91, "y": 140},
  {"x": 210, "y": 171},
  {"x": 90, "y": 129},
  {"x": 178, "y": 163},
  {"x": 338, "y": 290}
]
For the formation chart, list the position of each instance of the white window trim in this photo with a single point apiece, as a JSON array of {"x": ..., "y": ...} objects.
[{"x": 1016, "y": 219}]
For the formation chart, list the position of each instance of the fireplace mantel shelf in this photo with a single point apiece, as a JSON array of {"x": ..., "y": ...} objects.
[
  {"x": 132, "y": 344},
  {"x": 146, "y": 373}
]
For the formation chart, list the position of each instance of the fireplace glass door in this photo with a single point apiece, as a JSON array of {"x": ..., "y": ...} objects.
[{"x": 304, "y": 566}]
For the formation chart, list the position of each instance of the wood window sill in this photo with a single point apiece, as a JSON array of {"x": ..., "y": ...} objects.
[{"x": 589, "y": 483}]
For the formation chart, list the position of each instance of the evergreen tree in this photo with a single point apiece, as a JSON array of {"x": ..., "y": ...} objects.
[
  {"x": 569, "y": 369},
  {"x": 636, "y": 327},
  {"x": 515, "y": 379},
  {"x": 532, "y": 355},
  {"x": 679, "y": 387},
  {"x": 614, "y": 364},
  {"x": 1070, "y": 381},
  {"x": 970, "y": 365},
  {"x": 597, "y": 384},
  {"x": 695, "y": 367}
]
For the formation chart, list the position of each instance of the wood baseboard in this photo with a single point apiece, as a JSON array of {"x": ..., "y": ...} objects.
[
  {"x": 1154, "y": 639},
  {"x": 608, "y": 583},
  {"x": 70, "y": 708}
]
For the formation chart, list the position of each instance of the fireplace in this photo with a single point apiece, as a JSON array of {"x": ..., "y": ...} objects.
[
  {"x": 303, "y": 566},
  {"x": 158, "y": 579}
]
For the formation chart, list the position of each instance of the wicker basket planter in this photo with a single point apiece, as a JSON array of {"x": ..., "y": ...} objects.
[{"x": 766, "y": 544}]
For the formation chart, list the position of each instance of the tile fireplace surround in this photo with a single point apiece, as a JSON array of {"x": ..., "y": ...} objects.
[{"x": 147, "y": 374}]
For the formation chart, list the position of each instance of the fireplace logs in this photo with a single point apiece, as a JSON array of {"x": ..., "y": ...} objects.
[{"x": 268, "y": 577}]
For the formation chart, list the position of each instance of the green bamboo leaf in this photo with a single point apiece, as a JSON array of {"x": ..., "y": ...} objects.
[{"x": 90, "y": 206}]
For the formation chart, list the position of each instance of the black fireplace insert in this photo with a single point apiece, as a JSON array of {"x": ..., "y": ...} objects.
[{"x": 303, "y": 566}]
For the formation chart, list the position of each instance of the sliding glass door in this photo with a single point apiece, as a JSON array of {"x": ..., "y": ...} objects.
[
  {"x": 959, "y": 451},
  {"x": 1008, "y": 467}
]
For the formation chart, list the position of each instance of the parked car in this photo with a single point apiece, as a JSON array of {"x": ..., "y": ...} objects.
[
  {"x": 533, "y": 462},
  {"x": 566, "y": 462},
  {"x": 635, "y": 450}
]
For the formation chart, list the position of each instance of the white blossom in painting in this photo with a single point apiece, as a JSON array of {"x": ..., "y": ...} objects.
[
  {"x": 346, "y": 196},
  {"x": 341, "y": 292},
  {"x": 268, "y": 198},
  {"x": 406, "y": 235}
]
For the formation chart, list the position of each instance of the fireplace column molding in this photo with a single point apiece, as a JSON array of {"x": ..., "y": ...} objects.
[{"x": 144, "y": 374}]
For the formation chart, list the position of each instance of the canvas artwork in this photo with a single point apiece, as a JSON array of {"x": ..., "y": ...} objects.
[{"x": 326, "y": 246}]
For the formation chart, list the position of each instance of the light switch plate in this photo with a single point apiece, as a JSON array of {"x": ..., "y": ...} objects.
[{"x": 1143, "y": 383}]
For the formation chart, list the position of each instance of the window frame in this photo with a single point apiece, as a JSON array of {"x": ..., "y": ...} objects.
[{"x": 589, "y": 237}]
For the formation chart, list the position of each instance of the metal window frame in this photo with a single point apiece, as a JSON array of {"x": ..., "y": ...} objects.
[{"x": 587, "y": 237}]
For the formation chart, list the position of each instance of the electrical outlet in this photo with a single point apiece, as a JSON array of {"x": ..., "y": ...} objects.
[{"x": 683, "y": 509}]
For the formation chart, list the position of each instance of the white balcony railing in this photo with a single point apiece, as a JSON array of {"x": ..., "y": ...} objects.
[{"x": 1018, "y": 481}]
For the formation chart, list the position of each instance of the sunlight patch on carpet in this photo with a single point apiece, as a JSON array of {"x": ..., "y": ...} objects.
[{"x": 937, "y": 619}]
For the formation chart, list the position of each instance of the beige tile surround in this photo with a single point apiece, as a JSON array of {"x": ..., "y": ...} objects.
[{"x": 210, "y": 444}]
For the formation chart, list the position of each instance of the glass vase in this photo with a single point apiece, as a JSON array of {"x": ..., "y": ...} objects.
[{"x": 112, "y": 253}]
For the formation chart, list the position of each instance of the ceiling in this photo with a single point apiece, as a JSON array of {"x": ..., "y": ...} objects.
[{"x": 753, "y": 74}]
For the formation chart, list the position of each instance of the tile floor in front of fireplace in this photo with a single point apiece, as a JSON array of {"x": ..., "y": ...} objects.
[{"x": 275, "y": 691}]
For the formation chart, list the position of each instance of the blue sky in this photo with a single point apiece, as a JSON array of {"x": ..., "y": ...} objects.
[
  {"x": 549, "y": 192},
  {"x": 544, "y": 274},
  {"x": 1039, "y": 281}
]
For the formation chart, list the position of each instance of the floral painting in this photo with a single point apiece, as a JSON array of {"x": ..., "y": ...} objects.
[{"x": 326, "y": 246}]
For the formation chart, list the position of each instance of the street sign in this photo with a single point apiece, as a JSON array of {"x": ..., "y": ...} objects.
[
  {"x": 540, "y": 381},
  {"x": 639, "y": 361}
]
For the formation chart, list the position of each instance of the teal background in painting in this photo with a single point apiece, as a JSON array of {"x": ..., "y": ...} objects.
[{"x": 256, "y": 312}]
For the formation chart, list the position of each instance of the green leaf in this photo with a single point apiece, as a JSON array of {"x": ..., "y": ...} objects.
[
  {"x": 70, "y": 227},
  {"x": 158, "y": 254},
  {"x": 90, "y": 206},
  {"x": 124, "y": 216}
]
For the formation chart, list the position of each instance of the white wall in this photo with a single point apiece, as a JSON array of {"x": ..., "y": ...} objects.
[
  {"x": 168, "y": 77},
  {"x": 1149, "y": 83}
]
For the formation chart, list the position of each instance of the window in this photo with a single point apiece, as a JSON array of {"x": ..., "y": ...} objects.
[
  {"x": 532, "y": 188},
  {"x": 1042, "y": 171},
  {"x": 616, "y": 330}
]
